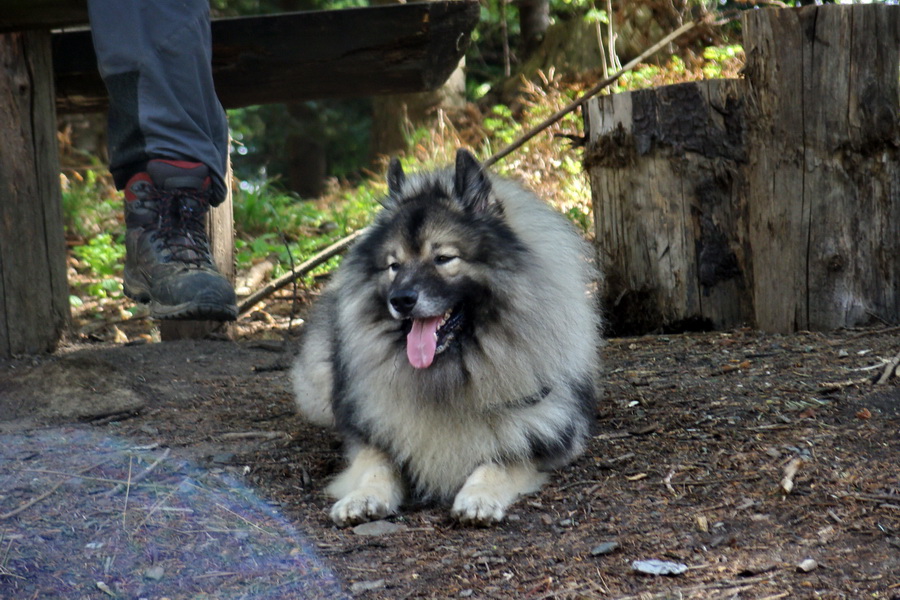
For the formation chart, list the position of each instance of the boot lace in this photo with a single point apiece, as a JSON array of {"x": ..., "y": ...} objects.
[{"x": 181, "y": 225}]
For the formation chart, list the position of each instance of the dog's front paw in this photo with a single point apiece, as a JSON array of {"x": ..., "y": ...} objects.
[
  {"x": 478, "y": 508},
  {"x": 360, "y": 506}
]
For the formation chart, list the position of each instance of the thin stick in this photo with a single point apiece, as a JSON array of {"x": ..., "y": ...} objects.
[
  {"x": 141, "y": 475},
  {"x": 339, "y": 246},
  {"x": 889, "y": 370},
  {"x": 592, "y": 92},
  {"x": 45, "y": 495},
  {"x": 304, "y": 268}
]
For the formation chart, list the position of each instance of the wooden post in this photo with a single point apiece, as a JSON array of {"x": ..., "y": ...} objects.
[
  {"x": 773, "y": 200},
  {"x": 664, "y": 164},
  {"x": 823, "y": 192},
  {"x": 34, "y": 297}
]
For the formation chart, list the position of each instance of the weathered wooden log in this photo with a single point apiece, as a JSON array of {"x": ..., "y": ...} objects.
[
  {"x": 773, "y": 200},
  {"x": 289, "y": 57},
  {"x": 823, "y": 193},
  {"x": 34, "y": 297},
  {"x": 663, "y": 164},
  {"x": 19, "y": 15}
]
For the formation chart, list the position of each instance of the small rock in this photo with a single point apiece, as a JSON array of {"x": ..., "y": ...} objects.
[
  {"x": 807, "y": 565},
  {"x": 467, "y": 593},
  {"x": 377, "y": 528},
  {"x": 658, "y": 567},
  {"x": 702, "y": 523},
  {"x": 365, "y": 586},
  {"x": 223, "y": 458},
  {"x": 604, "y": 548},
  {"x": 155, "y": 573}
]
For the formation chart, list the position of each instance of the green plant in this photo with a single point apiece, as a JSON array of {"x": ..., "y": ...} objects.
[
  {"x": 90, "y": 202},
  {"x": 722, "y": 61},
  {"x": 102, "y": 259},
  {"x": 274, "y": 225}
]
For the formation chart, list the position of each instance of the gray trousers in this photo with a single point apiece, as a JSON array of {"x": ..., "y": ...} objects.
[{"x": 155, "y": 57}]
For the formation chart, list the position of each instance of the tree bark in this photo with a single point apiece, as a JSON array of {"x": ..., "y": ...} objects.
[
  {"x": 824, "y": 195},
  {"x": 773, "y": 200},
  {"x": 34, "y": 296},
  {"x": 534, "y": 19}
]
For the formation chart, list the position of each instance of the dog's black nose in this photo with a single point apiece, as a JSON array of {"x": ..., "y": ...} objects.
[{"x": 403, "y": 301}]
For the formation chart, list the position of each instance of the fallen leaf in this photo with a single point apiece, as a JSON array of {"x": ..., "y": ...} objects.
[{"x": 658, "y": 567}]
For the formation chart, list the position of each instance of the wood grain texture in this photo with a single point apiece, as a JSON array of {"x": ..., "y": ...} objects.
[
  {"x": 826, "y": 237},
  {"x": 773, "y": 200},
  {"x": 34, "y": 300},
  {"x": 663, "y": 166},
  {"x": 19, "y": 15},
  {"x": 289, "y": 57}
]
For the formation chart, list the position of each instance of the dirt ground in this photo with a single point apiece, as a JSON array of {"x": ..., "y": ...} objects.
[{"x": 179, "y": 470}]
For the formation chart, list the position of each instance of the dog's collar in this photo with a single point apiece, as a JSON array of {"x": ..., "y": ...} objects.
[
  {"x": 533, "y": 398},
  {"x": 523, "y": 402}
]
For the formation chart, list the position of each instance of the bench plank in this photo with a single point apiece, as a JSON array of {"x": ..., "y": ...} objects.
[
  {"x": 19, "y": 15},
  {"x": 295, "y": 56}
]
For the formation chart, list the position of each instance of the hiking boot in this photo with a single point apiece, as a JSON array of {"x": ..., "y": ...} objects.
[{"x": 168, "y": 263}]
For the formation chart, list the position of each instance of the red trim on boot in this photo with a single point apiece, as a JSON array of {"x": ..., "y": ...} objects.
[
  {"x": 181, "y": 164},
  {"x": 143, "y": 176},
  {"x": 187, "y": 165}
]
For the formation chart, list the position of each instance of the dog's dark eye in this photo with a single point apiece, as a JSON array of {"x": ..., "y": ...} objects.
[
  {"x": 394, "y": 267},
  {"x": 443, "y": 259}
]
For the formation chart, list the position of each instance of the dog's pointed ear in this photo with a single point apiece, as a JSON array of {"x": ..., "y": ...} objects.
[
  {"x": 395, "y": 180},
  {"x": 470, "y": 183}
]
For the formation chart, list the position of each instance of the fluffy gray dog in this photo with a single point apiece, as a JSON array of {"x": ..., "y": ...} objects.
[{"x": 455, "y": 350}]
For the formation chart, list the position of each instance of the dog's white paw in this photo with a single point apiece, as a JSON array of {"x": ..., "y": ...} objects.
[
  {"x": 360, "y": 506},
  {"x": 478, "y": 507}
]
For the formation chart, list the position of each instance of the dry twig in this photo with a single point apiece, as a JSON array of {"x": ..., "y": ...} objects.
[
  {"x": 889, "y": 370},
  {"x": 790, "y": 471},
  {"x": 344, "y": 243},
  {"x": 524, "y": 138},
  {"x": 140, "y": 476},
  {"x": 273, "y": 286},
  {"x": 45, "y": 495}
]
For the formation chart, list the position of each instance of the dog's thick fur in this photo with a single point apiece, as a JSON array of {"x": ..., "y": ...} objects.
[{"x": 501, "y": 392}]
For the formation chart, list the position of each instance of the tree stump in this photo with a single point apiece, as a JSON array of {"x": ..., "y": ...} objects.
[
  {"x": 34, "y": 296},
  {"x": 773, "y": 200},
  {"x": 823, "y": 194}
]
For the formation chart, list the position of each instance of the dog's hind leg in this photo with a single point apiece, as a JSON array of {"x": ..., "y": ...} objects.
[
  {"x": 369, "y": 489},
  {"x": 491, "y": 488}
]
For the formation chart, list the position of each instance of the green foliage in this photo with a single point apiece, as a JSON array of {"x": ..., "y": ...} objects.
[
  {"x": 102, "y": 254},
  {"x": 718, "y": 58},
  {"x": 89, "y": 202},
  {"x": 501, "y": 125},
  {"x": 102, "y": 258},
  {"x": 271, "y": 224}
]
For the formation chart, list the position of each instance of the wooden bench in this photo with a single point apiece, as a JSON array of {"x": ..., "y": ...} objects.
[{"x": 256, "y": 60}]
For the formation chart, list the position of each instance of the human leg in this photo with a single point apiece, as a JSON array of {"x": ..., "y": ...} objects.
[{"x": 168, "y": 142}]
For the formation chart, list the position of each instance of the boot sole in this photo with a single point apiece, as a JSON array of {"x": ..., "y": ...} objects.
[
  {"x": 187, "y": 311},
  {"x": 191, "y": 311}
]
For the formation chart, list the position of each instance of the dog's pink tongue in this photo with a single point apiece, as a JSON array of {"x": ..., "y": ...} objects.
[{"x": 421, "y": 342}]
